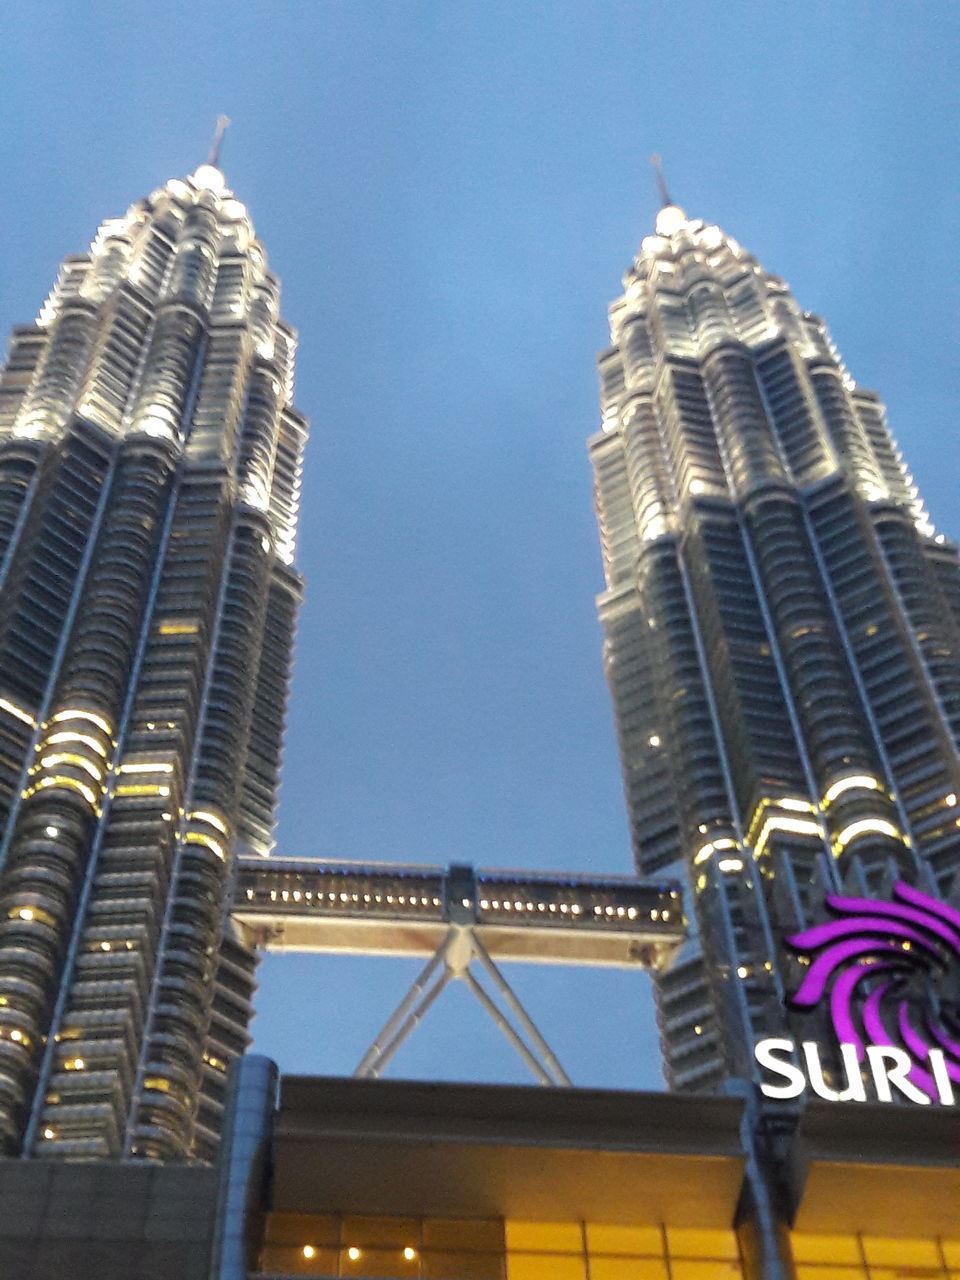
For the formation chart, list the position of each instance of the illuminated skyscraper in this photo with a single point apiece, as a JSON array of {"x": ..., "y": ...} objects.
[
  {"x": 781, "y": 624},
  {"x": 149, "y": 484}
]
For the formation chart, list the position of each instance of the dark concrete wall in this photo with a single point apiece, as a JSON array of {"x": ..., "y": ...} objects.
[{"x": 61, "y": 1221}]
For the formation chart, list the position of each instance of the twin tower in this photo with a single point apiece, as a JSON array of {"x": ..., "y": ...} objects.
[{"x": 782, "y": 645}]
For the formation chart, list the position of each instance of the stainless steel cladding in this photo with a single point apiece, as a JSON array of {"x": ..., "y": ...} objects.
[
  {"x": 150, "y": 460},
  {"x": 782, "y": 641}
]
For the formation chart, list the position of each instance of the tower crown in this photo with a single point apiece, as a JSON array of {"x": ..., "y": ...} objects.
[
  {"x": 209, "y": 177},
  {"x": 670, "y": 219}
]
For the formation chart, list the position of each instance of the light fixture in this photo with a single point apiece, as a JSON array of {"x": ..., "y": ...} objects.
[
  {"x": 353, "y": 1253},
  {"x": 409, "y": 1253},
  {"x": 309, "y": 1251}
]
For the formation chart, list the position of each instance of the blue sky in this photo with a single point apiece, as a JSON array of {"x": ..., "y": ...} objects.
[{"x": 450, "y": 192}]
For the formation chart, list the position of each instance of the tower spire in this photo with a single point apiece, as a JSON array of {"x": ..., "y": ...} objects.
[
  {"x": 213, "y": 157},
  {"x": 661, "y": 182}
]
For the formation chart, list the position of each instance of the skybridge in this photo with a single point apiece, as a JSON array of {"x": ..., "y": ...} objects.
[{"x": 464, "y": 921}]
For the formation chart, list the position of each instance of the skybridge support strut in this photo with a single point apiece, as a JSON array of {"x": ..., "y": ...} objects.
[
  {"x": 459, "y": 948},
  {"x": 526, "y": 1022},
  {"x": 408, "y": 1013}
]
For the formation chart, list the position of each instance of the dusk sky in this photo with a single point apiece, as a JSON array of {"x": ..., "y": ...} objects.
[{"x": 450, "y": 192}]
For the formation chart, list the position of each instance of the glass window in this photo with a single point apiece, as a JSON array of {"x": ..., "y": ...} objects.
[
  {"x": 915, "y": 1253},
  {"x": 686, "y": 1242},
  {"x": 545, "y": 1237},
  {"x": 604, "y": 1238},
  {"x": 384, "y": 1248},
  {"x": 826, "y": 1248},
  {"x": 827, "y": 1272},
  {"x": 605, "y": 1268},
  {"x": 437, "y": 1265},
  {"x": 481, "y": 1235},
  {"x": 394, "y": 1263},
  {"x": 879, "y": 1258},
  {"x": 545, "y": 1266}
]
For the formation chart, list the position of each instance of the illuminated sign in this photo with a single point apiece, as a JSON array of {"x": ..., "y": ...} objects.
[
  {"x": 889, "y": 976},
  {"x": 889, "y": 1069}
]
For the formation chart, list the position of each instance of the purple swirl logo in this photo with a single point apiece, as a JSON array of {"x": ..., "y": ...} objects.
[{"x": 891, "y": 973}]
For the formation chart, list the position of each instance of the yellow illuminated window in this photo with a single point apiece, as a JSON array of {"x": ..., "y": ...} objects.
[
  {"x": 826, "y": 1248},
  {"x": 382, "y": 1263},
  {"x": 18, "y": 713},
  {"x": 632, "y": 1241},
  {"x": 31, "y": 913},
  {"x": 70, "y": 784},
  {"x": 686, "y": 1242},
  {"x": 633, "y": 1253},
  {"x": 826, "y": 1272},
  {"x": 77, "y": 713},
  {"x": 208, "y": 842},
  {"x": 545, "y": 1266},
  {"x": 172, "y": 627},
  {"x": 913, "y": 1253},
  {"x": 70, "y": 757},
  {"x": 703, "y": 1269},
  {"x": 204, "y": 815},
  {"x": 66, "y": 736},
  {"x": 605, "y": 1268},
  {"x": 545, "y": 1251},
  {"x": 880, "y": 1258},
  {"x": 545, "y": 1237}
]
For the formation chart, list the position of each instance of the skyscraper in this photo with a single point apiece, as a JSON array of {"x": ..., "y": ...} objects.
[
  {"x": 781, "y": 633},
  {"x": 149, "y": 484}
]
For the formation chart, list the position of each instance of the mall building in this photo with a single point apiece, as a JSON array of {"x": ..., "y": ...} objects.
[{"x": 333, "y": 1177}]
